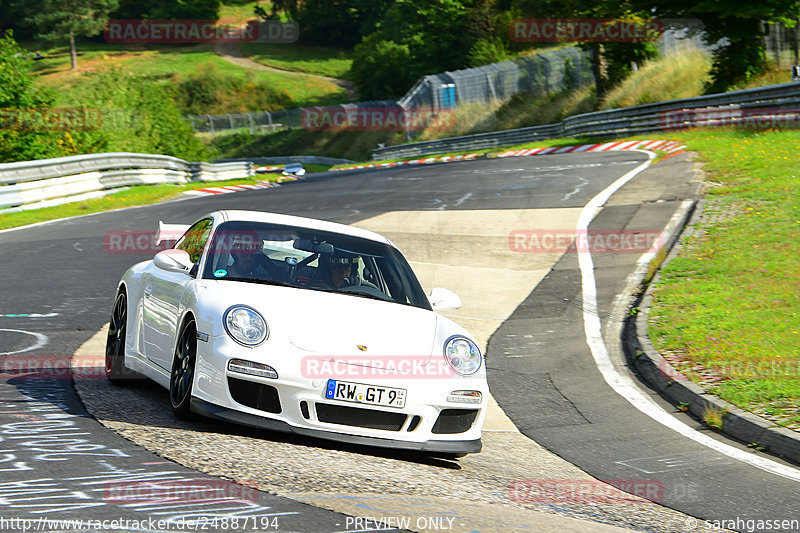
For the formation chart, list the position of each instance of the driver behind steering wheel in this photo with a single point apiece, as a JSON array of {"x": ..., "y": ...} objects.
[
  {"x": 336, "y": 273},
  {"x": 339, "y": 271}
]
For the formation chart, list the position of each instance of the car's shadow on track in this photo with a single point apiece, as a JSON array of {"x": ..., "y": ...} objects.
[{"x": 144, "y": 403}]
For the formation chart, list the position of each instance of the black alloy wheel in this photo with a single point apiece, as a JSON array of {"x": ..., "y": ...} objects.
[
  {"x": 182, "y": 375},
  {"x": 115, "y": 343}
]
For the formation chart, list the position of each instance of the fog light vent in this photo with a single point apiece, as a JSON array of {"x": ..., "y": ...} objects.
[
  {"x": 253, "y": 369},
  {"x": 464, "y": 396}
]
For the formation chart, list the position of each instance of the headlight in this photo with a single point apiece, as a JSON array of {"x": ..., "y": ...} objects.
[
  {"x": 245, "y": 325},
  {"x": 462, "y": 355}
]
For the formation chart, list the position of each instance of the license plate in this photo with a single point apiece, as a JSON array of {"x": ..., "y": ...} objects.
[{"x": 369, "y": 394}]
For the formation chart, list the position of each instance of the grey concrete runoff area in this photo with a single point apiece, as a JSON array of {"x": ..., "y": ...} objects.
[{"x": 556, "y": 424}]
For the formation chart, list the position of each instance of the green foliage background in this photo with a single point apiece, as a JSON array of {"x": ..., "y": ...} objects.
[{"x": 138, "y": 114}]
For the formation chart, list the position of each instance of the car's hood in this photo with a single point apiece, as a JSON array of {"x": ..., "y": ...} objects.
[{"x": 339, "y": 325}]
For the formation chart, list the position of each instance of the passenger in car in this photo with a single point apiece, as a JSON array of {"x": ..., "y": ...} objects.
[{"x": 248, "y": 262}]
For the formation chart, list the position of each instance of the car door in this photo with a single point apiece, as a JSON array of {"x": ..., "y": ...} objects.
[{"x": 163, "y": 292}]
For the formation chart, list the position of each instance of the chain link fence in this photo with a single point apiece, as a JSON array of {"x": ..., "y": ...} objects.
[
  {"x": 539, "y": 74},
  {"x": 781, "y": 44},
  {"x": 770, "y": 107},
  {"x": 269, "y": 121}
]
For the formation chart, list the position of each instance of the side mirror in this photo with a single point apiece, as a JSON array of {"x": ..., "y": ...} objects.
[
  {"x": 173, "y": 261},
  {"x": 444, "y": 299}
]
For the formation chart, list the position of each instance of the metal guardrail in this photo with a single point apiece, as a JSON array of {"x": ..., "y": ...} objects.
[
  {"x": 31, "y": 184},
  {"x": 270, "y": 121},
  {"x": 648, "y": 118},
  {"x": 64, "y": 166}
]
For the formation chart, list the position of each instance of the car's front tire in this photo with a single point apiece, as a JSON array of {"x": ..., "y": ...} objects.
[
  {"x": 116, "y": 372},
  {"x": 182, "y": 374}
]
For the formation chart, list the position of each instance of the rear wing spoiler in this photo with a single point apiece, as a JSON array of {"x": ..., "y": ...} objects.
[{"x": 170, "y": 232}]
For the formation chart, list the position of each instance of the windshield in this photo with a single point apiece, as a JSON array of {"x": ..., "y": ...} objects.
[{"x": 314, "y": 260}]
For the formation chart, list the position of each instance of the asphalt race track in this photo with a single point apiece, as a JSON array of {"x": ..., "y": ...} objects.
[{"x": 58, "y": 283}]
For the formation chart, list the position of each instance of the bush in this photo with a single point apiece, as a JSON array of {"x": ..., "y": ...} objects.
[
  {"x": 487, "y": 51},
  {"x": 736, "y": 63},
  {"x": 19, "y": 95},
  {"x": 210, "y": 91},
  {"x": 381, "y": 68},
  {"x": 139, "y": 115}
]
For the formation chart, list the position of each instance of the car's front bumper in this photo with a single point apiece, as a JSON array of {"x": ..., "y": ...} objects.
[
  {"x": 297, "y": 404},
  {"x": 211, "y": 410}
]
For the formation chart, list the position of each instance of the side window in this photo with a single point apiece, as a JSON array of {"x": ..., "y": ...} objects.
[{"x": 194, "y": 240}]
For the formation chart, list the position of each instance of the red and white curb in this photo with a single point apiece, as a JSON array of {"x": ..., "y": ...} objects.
[
  {"x": 231, "y": 188},
  {"x": 670, "y": 147}
]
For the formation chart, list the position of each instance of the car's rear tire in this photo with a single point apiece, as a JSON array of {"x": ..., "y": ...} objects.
[
  {"x": 116, "y": 372},
  {"x": 182, "y": 374}
]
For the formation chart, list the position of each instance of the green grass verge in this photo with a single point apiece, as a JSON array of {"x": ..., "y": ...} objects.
[
  {"x": 726, "y": 310},
  {"x": 237, "y": 11},
  {"x": 669, "y": 77},
  {"x": 300, "y": 58},
  {"x": 172, "y": 63},
  {"x": 135, "y": 196}
]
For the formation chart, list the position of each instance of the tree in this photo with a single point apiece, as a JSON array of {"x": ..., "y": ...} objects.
[
  {"x": 174, "y": 9},
  {"x": 381, "y": 68},
  {"x": 6, "y": 15},
  {"x": 17, "y": 87},
  {"x": 20, "y": 97},
  {"x": 56, "y": 20},
  {"x": 139, "y": 114},
  {"x": 420, "y": 37},
  {"x": 611, "y": 61},
  {"x": 740, "y": 23}
]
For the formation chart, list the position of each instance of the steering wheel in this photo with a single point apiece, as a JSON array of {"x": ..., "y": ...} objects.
[{"x": 301, "y": 264}]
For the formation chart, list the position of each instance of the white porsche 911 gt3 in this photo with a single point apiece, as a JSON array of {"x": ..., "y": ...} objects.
[{"x": 300, "y": 325}]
